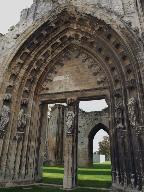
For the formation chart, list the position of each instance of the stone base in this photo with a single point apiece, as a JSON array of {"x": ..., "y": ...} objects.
[
  {"x": 119, "y": 188},
  {"x": 67, "y": 183},
  {"x": 8, "y": 184}
]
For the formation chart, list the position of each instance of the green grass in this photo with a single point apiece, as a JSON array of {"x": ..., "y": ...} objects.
[
  {"x": 47, "y": 189},
  {"x": 99, "y": 176}
]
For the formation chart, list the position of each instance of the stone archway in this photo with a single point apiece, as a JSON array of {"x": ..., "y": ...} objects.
[
  {"x": 29, "y": 81},
  {"x": 91, "y": 136}
]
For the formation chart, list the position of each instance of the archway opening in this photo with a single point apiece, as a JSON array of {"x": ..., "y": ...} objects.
[
  {"x": 54, "y": 154},
  {"x": 53, "y": 169},
  {"x": 101, "y": 147},
  {"x": 94, "y": 117},
  {"x": 95, "y": 137}
]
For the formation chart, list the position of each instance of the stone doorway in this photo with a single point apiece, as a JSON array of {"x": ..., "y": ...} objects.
[
  {"x": 74, "y": 54},
  {"x": 57, "y": 133}
]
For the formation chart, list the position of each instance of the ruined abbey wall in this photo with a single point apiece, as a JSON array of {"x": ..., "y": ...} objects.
[
  {"x": 57, "y": 132},
  {"x": 100, "y": 45}
]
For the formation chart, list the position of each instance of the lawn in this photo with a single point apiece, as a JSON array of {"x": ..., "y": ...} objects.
[
  {"x": 99, "y": 177},
  {"x": 47, "y": 189}
]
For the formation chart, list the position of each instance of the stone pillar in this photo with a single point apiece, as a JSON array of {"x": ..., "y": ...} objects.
[
  {"x": 41, "y": 141},
  {"x": 70, "y": 145},
  {"x": 90, "y": 152}
]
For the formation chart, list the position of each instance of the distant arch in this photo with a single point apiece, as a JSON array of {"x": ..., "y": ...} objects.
[{"x": 91, "y": 136}]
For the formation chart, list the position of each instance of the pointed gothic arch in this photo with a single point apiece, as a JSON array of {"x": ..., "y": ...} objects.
[
  {"x": 106, "y": 49},
  {"x": 91, "y": 136}
]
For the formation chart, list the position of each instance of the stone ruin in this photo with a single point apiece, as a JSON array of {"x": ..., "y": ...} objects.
[
  {"x": 68, "y": 51},
  {"x": 89, "y": 123}
]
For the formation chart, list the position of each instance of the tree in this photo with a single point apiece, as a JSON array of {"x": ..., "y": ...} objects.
[{"x": 104, "y": 147}]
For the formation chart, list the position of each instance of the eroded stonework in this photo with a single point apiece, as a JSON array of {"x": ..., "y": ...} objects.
[
  {"x": 57, "y": 131},
  {"x": 108, "y": 37}
]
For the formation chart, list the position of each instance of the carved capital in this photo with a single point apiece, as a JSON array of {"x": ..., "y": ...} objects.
[{"x": 72, "y": 101}]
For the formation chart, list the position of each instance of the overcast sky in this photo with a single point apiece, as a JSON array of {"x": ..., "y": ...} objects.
[
  {"x": 10, "y": 12},
  {"x": 9, "y": 16}
]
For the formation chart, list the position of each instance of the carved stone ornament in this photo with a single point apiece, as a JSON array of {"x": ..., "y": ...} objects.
[
  {"x": 69, "y": 121},
  {"x": 4, "y": 118},
  {"x": 22, "y": 121},
  {"x": 117, "y": 93},
  {"x": 24, "y": 102},
  {"x": 7, "y": 97},
  {"x": 132, "y": 180},
  {"x": 139, "y": 130},
  {"x": 132, "y": 111},
  {"x": 119, "y": 125},
  {"x": 18, "y": 137},
  {"x": 118, "y": 113},
  {"x": 117, "y": 177},
  {"x": 119, "y": 106},
  {"x": 125, "y": 179}
]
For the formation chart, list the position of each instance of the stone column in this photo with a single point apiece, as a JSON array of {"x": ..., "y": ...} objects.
[
  {"x": 70, "y": 145},
  {"x": 41, "y": 134}
]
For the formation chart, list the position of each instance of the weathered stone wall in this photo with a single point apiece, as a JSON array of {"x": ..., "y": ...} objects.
[
  {"x": 30, "y": 55},
  {"x": 55, "y": 134},
  {"x": 88, "y": 121},
  {"x": 126, "y": 10},
  {"x": 57, "y": 131}
]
